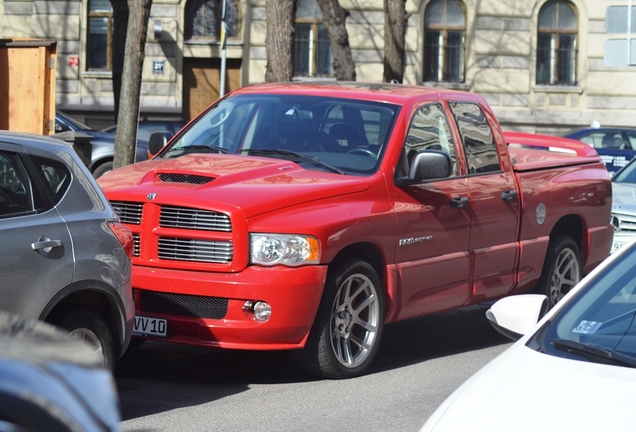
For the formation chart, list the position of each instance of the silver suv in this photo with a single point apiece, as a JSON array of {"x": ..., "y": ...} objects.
[{"x": 64, "y": 256}]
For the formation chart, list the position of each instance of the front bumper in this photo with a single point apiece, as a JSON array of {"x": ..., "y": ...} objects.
[{"x": 293, "y": 293}]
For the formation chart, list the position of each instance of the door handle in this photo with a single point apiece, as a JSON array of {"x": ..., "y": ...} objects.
[
  {"x": 459, "y": 202},
  {"x": 44, "y": 245},
  {"x": 509, "y": 195}
]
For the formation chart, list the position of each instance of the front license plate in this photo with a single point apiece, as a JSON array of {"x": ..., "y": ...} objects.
[
  {"x": 616, "y": 246},
  {"x": 147, "y": 326}
]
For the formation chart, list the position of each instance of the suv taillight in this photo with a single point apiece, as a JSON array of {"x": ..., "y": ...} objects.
[{"x": 125, "y": 237}]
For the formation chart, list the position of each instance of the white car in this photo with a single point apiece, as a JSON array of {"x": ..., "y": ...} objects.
[{"x": 573, "y": 371}]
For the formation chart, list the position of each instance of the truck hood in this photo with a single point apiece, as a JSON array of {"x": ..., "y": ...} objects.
[{"x": 256, "y": 185}]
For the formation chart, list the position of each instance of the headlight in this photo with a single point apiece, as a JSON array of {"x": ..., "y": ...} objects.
[{"x": 285, "y": 249}]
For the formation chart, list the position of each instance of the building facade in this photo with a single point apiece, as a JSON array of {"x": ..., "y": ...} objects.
[{"x": 543, "y": 65}]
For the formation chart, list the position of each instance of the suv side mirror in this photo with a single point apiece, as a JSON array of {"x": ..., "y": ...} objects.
[{"x": 158, "y": 141}]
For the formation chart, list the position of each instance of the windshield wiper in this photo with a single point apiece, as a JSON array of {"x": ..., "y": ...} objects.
[
  {"x": 197, "y": 148},
  {"x": 300, "y": 156},
  {"x": 594, "y": 353}
]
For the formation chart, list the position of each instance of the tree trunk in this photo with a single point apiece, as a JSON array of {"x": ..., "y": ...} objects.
[
  {"x": 120, "y": 24},
  {"x": 280, "y": 40},
  {"x": 394, "y": 36},
  {"x": 333, "y": 18},
  {"x": 128, "y": 114}
]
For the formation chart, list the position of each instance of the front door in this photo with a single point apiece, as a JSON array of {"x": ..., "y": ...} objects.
[{"x": 432, "y": 224}]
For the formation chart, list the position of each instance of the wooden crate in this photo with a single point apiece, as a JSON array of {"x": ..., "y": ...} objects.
[{"x": 27, "y": 85}]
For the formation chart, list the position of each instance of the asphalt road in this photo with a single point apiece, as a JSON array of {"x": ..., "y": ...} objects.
[{"x": 167, "y": 387}]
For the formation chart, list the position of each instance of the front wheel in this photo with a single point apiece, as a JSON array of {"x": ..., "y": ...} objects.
[
  {"x": 561, "y": 270},
  {"x": 90, "y": 327},
  {"x": 345, "y": 337}
]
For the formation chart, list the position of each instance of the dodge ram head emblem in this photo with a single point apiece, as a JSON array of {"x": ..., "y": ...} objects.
[{"x": 151, "y": 196}]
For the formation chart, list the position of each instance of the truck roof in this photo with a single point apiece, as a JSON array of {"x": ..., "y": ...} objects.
[{"x": 395, "y": 93}]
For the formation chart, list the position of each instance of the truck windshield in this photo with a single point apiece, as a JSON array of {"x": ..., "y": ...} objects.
[{"x": 337, "y": 135}]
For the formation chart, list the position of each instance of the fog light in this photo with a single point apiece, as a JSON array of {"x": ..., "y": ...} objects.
[{"x": 262, "y": 311}]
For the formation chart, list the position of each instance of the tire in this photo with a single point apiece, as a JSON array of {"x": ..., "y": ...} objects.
[
  {"x": 346, "y": 334},
  {"x": 103, "y": 169},
  {"x": 89, "y": 326},
  {"x": 561, "y": 270}
]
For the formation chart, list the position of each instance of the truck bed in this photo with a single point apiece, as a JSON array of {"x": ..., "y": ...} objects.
[{"x": 531, "y": 151}]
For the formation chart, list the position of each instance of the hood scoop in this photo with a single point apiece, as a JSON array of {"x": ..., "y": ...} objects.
[{"x": 184, "y": 178}]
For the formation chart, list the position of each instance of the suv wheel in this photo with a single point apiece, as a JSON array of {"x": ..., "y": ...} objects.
[{"x": 89, "y": 326}]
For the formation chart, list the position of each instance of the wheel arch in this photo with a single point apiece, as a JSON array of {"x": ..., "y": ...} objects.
[
  {"x": 94, "y": 165},
  {"x": 372, "y": 254},
  {"x": 94, "y": 296},
  {"x": 573, "y": 227}
]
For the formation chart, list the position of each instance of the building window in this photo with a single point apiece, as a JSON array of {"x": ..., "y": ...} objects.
[
  {"x": 312, "y": 51},
  {"x": 444, "y": 41},
  {"x": 203, "y": 19},
  {"x": 100, "y": 30},
  {"x": 556, "y": 44}
]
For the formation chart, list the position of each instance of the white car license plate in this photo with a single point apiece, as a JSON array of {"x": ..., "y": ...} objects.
[
  {"x": 616, "y": 246},
  {"x": 147, "y": 326}
]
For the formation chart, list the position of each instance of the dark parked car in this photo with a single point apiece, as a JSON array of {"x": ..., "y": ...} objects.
[
  {"x": 147, "y": 126},
  {"x": 64, "y": 256},
  {"x": 616, "y": 146},
  {"x": 102, "y": 143},
  {"x": 52, "y": 382}
]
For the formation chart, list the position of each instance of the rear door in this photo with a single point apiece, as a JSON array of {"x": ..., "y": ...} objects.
[
  {"x": 36, "y": 256},
  {"x": 494, "y": 206}
]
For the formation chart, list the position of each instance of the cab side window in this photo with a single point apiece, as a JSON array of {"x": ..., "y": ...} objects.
[
  {"x": 428, "y": 131},
  {"x": 16, "y": 196},
  {"x": 477, "y": 138}
]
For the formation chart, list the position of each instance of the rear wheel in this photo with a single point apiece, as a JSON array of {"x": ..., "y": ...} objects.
[
  {"x": 561, "y": 270},
  {"x": 345, "y": 337},
  {"x": 90, "y": 327}
]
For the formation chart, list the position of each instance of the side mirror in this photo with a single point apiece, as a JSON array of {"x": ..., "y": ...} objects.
[
  {"x": 427, "y": 165},
  {"x": 158, "y": 141},
  {"x": 516, "y": 315}
]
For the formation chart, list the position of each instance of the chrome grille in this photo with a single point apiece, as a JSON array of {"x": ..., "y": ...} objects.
[
  {"x": 189, "y": 218},
  {"x": 136, "y": 247},
  {"x": 183, "y": 305},
  {"x": 196, "y": 250},
  {"x": 184, "y": 178},
  {"x": 624, "y": 222},
  {"x": 128, "y": 212}
]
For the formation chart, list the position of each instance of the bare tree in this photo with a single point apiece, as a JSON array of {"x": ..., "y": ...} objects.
[
  {"x": 394, "y": 39},
  {"x": 333, "y": 18},
  {"x": 128, "y": 112},
  {"x": 280, "y": 40},
  {"x": 120, "y": 24}
]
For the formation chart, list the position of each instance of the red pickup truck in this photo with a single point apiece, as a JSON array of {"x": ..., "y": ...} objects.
[{"x": 307, "y": 216}]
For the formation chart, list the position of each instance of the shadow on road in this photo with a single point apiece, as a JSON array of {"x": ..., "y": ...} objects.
[
  {"x": 158, "y": 377},
  {"x": 435, "y": 336}
]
